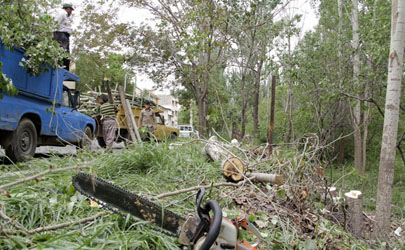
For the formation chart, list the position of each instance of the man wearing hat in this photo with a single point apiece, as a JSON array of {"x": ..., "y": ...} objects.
[
  {"x": 147, "y": 119},
  {"x": 62, "y": 34}
]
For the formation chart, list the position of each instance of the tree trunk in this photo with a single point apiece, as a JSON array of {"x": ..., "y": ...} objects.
[
  {"x": 391, "y": 119},
  {"x": 367, "y": 92},
  {"x": 289, "y": 103},
  {"x": 202, "y": 110},
  {"x": 243, "y": 108},
  {"x": 341, "y": 144},
  {"x": 191, "y": 113},
  {"x": 202, "y": 116},
  {"x": 356, "y": 118},
  {"x": 256, "y": 98}
]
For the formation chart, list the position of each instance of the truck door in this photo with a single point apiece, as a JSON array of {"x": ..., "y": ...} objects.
[
  {"x": 68, "y": 127},
  {"x": 160, "y": 132}
]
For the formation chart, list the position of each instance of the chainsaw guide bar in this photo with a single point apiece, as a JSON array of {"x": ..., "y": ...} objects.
[{"x": 116, "y": 199}]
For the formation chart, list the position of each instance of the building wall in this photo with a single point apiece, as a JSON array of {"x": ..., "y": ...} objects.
[{"x": 171, "y": 109}]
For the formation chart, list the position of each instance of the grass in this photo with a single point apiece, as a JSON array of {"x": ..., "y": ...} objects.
[
  {"x": 147, "y": 170},
  {"x": 368, "y": 184}
]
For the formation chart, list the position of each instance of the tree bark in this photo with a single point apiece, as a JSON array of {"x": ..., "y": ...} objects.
[
  {"x": 341, "y": 144},
  {"x": 256, "y": 98},
  {"x": 202, "y": 114},
  {"x": 356, "y": 118},
  {"x": 367, "y": 94},
  {"x": 243, "y": 108},
  {"x": 391, "y": 119},
  {"x": 289, "y": 102}
]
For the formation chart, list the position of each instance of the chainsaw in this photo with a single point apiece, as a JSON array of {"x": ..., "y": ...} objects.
[{"x": 206, "y": 230}]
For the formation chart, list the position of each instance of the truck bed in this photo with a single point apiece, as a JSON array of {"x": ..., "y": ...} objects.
[{"x": 30, "y": 85}]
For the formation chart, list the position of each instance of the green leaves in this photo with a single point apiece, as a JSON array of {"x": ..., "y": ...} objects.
[{"x": 27, "y": 26}]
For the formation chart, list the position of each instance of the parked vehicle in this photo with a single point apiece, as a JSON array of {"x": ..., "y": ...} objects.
[
  {"x": 44, "y": 112},
  {"x": 187, "y": 130},
  {"x": 162, "y": 131}
]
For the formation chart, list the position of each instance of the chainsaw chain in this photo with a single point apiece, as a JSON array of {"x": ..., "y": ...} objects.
[{"x": 105, "y": 206}]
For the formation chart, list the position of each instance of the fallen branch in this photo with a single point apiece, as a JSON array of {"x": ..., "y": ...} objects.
[
  {"x": 185, "y": 190},
  {"x": 14, "y": 223},
  {"x": 66, "y": 224},
  {"x": 50, "y": 170},
  {"x": 50, "y": 228}
]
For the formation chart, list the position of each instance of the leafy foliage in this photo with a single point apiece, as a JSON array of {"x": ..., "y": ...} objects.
[{"x": 23, "y": 24}]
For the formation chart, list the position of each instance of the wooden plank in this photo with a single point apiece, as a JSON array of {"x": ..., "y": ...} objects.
[
  {"x": 138, "y": 136},
  {"x": 127, "y": 112}
]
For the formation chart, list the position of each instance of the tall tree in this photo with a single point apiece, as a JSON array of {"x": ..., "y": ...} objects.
[
  {"x": 189, "y": 41},
  {"x": 253, "y": 31},
  {"x": 356, "y": 113},
  {"x": 391, "y": 119}
]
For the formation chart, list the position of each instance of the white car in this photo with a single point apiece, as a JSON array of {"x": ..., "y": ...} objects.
[{"x": 187, "y": 131}]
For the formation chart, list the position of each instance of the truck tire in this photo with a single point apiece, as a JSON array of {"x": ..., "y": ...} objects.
[
  {"x": 172, "y": 136},
  {"x": 87, "y": 137},
  {"x": 23, "y": 141}
]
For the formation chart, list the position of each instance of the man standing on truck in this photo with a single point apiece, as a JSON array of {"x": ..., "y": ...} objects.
[
  {"x": 62, "y": 34},
  {"x": 147, "y": 119},
  {"x": 107, "y": 112}
]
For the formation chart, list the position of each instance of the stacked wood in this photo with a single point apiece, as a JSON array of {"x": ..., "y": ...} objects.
[
  {"x": 354, "y": 218},
  {"x": 89, "y": 105}
]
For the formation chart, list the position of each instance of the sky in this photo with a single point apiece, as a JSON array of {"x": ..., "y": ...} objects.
[{"x": 308, "y": 22}]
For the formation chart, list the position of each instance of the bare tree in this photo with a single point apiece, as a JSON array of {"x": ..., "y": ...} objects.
[{"x": 391, "y": 120}]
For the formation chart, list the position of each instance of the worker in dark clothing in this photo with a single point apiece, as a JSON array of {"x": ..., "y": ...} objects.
[
  {"x": 107, "y": 112},
  {"x": 62, "y": 35}
]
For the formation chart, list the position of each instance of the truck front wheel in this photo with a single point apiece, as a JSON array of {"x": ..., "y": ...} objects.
[
  {"x": 87, "y": 137},
  {"x": 23, "y": 141}
]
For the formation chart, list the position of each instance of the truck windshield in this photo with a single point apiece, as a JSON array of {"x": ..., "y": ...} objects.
[{"x": 65, "y": 100}]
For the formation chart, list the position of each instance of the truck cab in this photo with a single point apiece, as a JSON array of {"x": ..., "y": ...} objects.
[
  {"x": 161, "y": 133},
  {"x": 44, "y": 112}
]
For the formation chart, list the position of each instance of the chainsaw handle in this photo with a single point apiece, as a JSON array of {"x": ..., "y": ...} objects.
[
  {"x": 198, "y": 200},
  {"x": 215, "y": 225}
]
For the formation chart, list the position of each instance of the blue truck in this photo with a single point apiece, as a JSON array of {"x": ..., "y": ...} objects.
[{"x": 44, "y": 112}]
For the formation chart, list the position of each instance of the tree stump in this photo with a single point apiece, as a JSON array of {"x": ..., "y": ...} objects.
[{"x": 354, "y": 212}]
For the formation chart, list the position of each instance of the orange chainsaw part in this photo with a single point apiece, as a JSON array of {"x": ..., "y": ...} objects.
[{"x": 246, "y": 225}]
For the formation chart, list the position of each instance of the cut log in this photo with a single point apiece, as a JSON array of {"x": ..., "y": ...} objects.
[
  {"x": 214, "y": 150},
  {"x": 233, "y": 169},
  {"x": 263, "y": 177},
  {"x": 138, "y": 136},
  {"x": 354, "y": 212}
]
